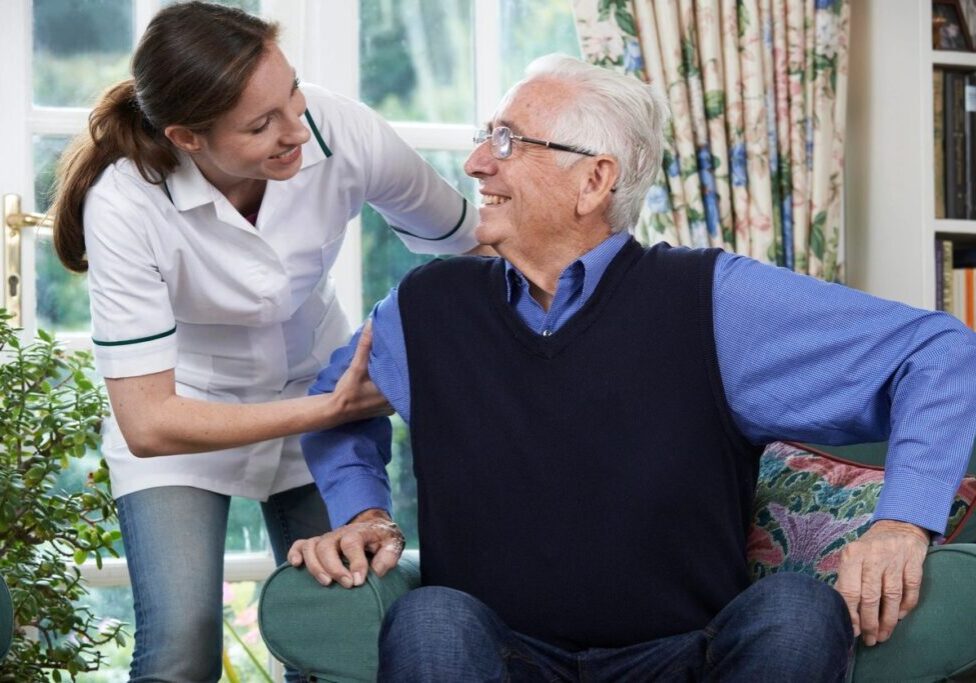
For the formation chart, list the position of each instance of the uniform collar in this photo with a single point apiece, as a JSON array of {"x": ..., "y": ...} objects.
[{"x": 189, "y": 189}]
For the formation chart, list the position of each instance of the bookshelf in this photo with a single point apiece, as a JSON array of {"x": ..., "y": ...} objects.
[{"x": 890, "y": 195}]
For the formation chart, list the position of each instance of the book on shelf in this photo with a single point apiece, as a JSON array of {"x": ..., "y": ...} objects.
[
  {"x": 954, "y": 88},
  {"x": 938, "y": 133},
  {"x": 955, "y": 284},
  {"x": 954, "y": 143},
  {"x": 943, "y": 275}
]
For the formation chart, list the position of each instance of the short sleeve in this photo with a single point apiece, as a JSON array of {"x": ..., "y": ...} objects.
[
  {"x": 133, "y": 327},
  {"x": 425, "y": 211}
]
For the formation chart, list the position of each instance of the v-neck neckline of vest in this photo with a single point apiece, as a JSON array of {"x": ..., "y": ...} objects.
[{"x": 550, "y": 346}]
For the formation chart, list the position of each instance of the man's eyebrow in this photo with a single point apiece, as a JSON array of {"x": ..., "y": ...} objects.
[{"x": 508, "y": 124}]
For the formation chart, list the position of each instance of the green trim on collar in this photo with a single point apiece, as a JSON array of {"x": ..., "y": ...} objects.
[
  {"x": 134, "y": 341},
  {"x": 464, "y": 212},
  {"x": 317, "y": 134}
]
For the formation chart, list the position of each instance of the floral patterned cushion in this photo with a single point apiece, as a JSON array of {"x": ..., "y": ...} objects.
[{"x": 810, "y": 504}]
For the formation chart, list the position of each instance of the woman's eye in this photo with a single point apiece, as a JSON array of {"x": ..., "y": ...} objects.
[{"x": 262, "y": 127}]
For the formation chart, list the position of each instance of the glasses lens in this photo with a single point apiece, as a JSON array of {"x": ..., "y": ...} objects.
[
  {"x": 501, "y": 142},
  {"x": 481, "y": 136}
]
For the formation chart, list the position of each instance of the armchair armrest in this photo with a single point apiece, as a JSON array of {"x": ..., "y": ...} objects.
[
  {"x": 935, "y": 641},
  {"x": 6, "y": 619},
  {"x": 330, "y": 634}
]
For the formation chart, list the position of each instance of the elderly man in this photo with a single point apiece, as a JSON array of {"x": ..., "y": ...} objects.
[{"x": 587, "y": 416}]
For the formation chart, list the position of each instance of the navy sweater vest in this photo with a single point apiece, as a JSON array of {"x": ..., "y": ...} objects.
[{"x": 589, "y": 486}]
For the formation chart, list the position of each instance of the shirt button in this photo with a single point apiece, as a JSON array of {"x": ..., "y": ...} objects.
[{"x": 546, "y": 333}]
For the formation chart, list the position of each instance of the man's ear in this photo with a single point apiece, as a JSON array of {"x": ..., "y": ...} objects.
[
  {"x": 184, "y": 138},
  {"x": 597, "y": 185}
]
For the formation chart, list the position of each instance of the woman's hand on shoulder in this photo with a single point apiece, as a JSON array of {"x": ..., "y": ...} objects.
[{"x": 358, "y": 398}]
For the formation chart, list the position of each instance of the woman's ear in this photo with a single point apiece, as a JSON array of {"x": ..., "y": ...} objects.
[
  {"x": 184, "y": 138},
  {"x": 597, "y": 185}
]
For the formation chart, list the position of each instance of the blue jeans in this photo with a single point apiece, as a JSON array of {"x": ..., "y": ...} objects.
[
  {"x": 174, "y": 545},
  {"x": 786, "y": 627}
]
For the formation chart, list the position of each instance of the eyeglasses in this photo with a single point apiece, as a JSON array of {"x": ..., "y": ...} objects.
[{"x": 501, "y": 142}]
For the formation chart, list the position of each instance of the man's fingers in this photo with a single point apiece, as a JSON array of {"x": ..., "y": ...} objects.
[
  {"x": 869, "y": 612},
  {"x": 354, "y": 549},
  {"x": 849, "y": 586},
  {"x": 312, "y": 563},
  {"x": 891, "y": 598},
  {"x": 386, "y": 557},
  {"x": 912, "y": 586},
  {"x": 295, "y": 553},
  {"x": 332, "y": 565}
]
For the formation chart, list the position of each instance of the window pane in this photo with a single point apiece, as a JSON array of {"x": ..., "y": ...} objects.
[
  {"x": 62, "y": 296},
  {"x": 112, "y": 604},
  {"x": 242, "y": 635},
  {"x": 80, "y": 48},
  {"x": 246, "y": 532},
  {"x": 240, "y": 610},
  {"x": 532, "y": 28},
  {"x": 416, "y": 59}
]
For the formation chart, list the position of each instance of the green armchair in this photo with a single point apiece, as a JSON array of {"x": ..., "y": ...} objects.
[
  {"x": 6, "y": 619},
  {"x": 330, "y": 634}
]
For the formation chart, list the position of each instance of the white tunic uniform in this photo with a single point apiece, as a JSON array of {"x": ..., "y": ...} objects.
[{"x": 245, "y": 314}]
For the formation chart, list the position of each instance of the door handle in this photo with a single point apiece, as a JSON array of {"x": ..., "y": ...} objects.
[{"x": 14, "y": 222}]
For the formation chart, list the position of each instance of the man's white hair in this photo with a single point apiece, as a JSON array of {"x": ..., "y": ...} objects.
[{"x": 610, "y": 113}]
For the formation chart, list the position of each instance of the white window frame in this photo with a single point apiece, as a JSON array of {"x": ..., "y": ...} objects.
[{"x": 326, "y": 29}]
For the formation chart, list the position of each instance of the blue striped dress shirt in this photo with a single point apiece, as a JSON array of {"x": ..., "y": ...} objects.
[{"x": 800, "y": 359}]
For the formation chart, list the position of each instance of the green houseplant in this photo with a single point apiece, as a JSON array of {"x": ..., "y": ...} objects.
[{"x": 50, "y": 413}]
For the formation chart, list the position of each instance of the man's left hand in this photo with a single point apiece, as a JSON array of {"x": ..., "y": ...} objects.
[{"x": 880, "y": 576}]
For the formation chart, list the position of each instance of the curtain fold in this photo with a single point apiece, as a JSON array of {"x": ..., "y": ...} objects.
[{"x": 754, "y": 153}]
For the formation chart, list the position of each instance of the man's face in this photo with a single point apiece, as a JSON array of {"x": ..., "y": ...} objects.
[{"x": 528, "y": 200}]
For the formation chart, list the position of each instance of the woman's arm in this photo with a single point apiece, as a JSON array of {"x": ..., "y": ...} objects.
[{"x": 155, "y": 420}]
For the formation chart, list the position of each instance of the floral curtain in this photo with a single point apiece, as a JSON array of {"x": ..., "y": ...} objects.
[{"x": 754, "y": 158}]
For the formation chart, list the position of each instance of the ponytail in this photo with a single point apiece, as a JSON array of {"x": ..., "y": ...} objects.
[
  {"x": 191, "y": 66},
  {"x": 116, "y": 129}
]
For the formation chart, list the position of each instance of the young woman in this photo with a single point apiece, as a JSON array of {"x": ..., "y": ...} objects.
[{"x": 207, "y": 203}]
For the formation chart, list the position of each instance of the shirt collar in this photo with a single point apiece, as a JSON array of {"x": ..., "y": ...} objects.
[{"x": 593, "y": 264}]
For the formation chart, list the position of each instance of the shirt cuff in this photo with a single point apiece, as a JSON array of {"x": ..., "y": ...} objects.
[
  {"x": 138, "y": 358},
  {"x": 355, "y": 495},
  {"x": 910, "y": 497}
]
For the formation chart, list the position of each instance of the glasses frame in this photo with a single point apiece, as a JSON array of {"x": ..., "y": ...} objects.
[{"x": 500, "y": 152}]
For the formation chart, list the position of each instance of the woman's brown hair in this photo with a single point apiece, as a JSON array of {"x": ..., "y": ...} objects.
[{"x": 190, "y": 67}]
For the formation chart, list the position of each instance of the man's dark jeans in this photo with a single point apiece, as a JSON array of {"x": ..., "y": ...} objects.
[{"x": 786, "y": 627}]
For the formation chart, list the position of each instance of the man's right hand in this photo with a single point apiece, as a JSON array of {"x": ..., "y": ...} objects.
[{"x": 371, "y": 531}]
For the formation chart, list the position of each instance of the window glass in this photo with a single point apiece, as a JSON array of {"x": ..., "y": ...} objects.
[
  {"x": 242, "y": 640},
  {"x": 112, "y": 605},
  {"x": 416, "y": 59},
  {"x": 62, "y": 296},
  {"x": 245, "y": 527},
  {"x": 530, "y": 29},
  {"x": 80, "y": 48}
]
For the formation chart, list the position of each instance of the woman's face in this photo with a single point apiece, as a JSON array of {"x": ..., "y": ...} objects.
[{"x": 261, "y": 138}]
